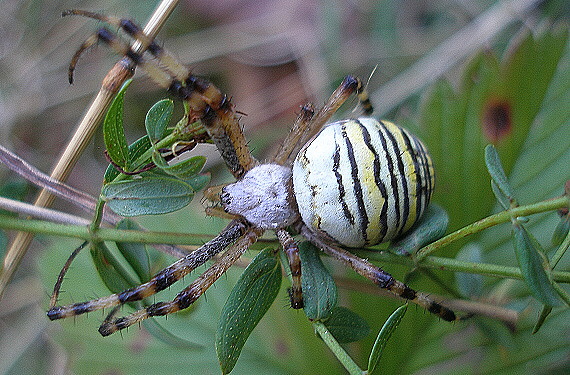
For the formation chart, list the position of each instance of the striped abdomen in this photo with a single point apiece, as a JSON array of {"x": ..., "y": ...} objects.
[{"x": 361, "y": 182}]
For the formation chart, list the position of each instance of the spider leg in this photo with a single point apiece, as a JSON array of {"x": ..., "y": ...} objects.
[
  {"x": 348, "y": 86},
  {"x": 191, "y": 293},
  {"x": 292, "y": 251},
  {"x": 161, "y": 280},
  {"x": 381, "y": 278},
  {"x": 60, "y": 277},
  {"x": 302, "y": 122},
  {"x": 176, "y": 69},
  {"x": 205, "y": 102}
]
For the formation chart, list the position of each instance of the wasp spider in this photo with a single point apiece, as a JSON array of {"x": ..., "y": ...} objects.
[{"x": 355, "y": 183}]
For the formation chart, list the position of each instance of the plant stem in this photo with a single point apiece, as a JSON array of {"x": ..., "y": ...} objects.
[
  {"x": 454, "y": 265},
  {"x": 337, "y": 350},
  {"x": 501, "y": 217}
]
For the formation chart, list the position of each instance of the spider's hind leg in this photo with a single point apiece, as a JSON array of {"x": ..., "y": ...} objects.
[
  {"x": 381, "y": 278},
  {"x": 292, "y": 252}
]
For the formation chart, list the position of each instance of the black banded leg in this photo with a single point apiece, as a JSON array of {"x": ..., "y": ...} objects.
[
  {"x": 160, "y": 76},
  {"x": 160, "y": 281},
  {"x": 286, "y": 152},
  {"x": 348, "y": 86},
  {"x": 178, "y": 71},
  {"x": 207, "y": 103},
  {"x": 292, "y": 252},
  {"x": 381, "y": 278},
  {"x": 191, "y": 293}
]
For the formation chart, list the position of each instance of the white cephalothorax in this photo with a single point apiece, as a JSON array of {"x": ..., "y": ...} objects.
[{"x": 264, "y": 197}]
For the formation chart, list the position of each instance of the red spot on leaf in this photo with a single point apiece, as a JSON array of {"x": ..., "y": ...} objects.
[{"x": 497, "y": 119}]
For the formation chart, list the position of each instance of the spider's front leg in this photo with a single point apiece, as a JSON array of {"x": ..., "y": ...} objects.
[
  {"x": 160, "y": 281},
  {"x": 191, "y": 293}
]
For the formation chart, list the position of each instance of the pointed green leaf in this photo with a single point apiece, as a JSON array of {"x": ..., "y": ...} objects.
[
  {"x": 135, "y": 253},
  {"x": 158, "y": 118},
  {"x": 200, "y": 181},
  {"x": 546, "y": 310},
  {"x": 168, "y": 337},
  {"x": 431, "y": 226},
  {"x": 470, "y": 285},
  {"x": 113, "y": 131},
  {"x": 185, "y": 169},
  {"x": 148, "y": 196},
  {"x": 384, "y": 335},
  {"x": 346, "y": 326},
  {"x": 561, "y": 230},
  {"x": 500, "y": 183},
  {"x": 534, "y": 266},
  {"x": 136, "y": 150},
  {"x": 319, "y": 289},
  {"x": 109, "y": 269},
  {"x": 249, "y": 300}
]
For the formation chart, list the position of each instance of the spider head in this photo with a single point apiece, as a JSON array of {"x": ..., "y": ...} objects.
[{"x": 263, "y": 196}]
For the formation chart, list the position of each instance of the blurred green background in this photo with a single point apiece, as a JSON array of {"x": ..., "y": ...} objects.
[{"x": 440, "y": 65}]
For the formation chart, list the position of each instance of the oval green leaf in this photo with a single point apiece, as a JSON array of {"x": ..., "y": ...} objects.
[
  {"x": 432, "y": 226},
  {"x": 561, "y": 230},
  {"x": 185, "y": 169},
  {"x": 199, "y": 181},
  {"x": 157, "y": 119},
  {"x": 319, "y": 289},
  {"x": 249, "y": 300},
  {"x": 346, "y": 326},
  {"x": 113, "y": 131},
  {"x": 147, "y": 196},
  {"x": 533, "y": 265},
  {"x": 136, "y": 150},
  {"x": 384, "y": 335},
  {"x": 135, "y": 254},
  {"x": 109, "y": 269},
  {"x": 499, "y": 181},
  {"x": 470, "y": 285}
]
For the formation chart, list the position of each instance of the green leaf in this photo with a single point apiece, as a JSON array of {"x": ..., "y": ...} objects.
[
  {"x": 500, "y": 183},
  {"x": 319, "y": 289},
  {"x": 113, "y": 131},
  {"x": 148, "y": 196},
  {"x": 346, "y": 326},
  {"x": 546, "y": 310},
  {"x": 185, "y": 169},
  {"x": 534, "y": 266},
  {"x": 384, "y": 335},
  {"x": 470, "y": 285},
  {"x": 136, "y": 150},
  {"x": 561, "y": 230},
  {"x": 431, "y": 226},
  {"x": 158, "y": 118},
  {"x": 249, "y": 300},
  {"x": 199, "y": 181},
  {"x": 135, "y": 253},
  {"x": 169, "y": 338},
  {"x": 108, "y": 268}
]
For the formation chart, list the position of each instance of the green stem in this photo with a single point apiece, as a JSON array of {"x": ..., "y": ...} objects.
[
  {"x": 337, "y": 350},
  {"x": 102, "y": 234},
  {"x": 455, "y": 265},
  {"x": 501, "y": 217},
  {"x": 124, "y": 235}
]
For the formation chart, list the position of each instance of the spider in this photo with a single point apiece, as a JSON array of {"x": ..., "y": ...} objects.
[{"x": 351, "y": 183}]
